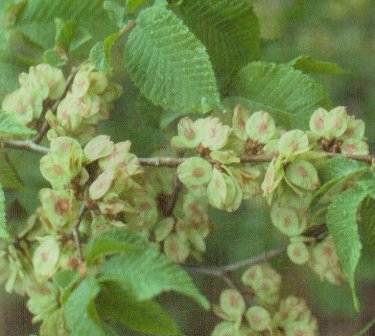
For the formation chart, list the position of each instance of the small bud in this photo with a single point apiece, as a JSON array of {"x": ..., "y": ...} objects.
[
  {"x": 98, "y": 147},
  {"x": 293, "y": 142},
  {"x": 298, "y": 253},
  {"x": 46, "y": 257},
  {"x": 258, "y": 318},
  {"x": 260, "y": 127},
  {"x": 232, "y": 304},
  {"x": 176, "y": 248},
  {"x": 194, "y": 171}
]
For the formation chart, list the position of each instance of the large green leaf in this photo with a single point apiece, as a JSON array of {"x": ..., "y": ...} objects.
[
  {"x": 119, "y": 306},
  {"x": 229, "y": 29},
  {"x": 10, "y": 127},
  {"x": 308, "y": 64},
  {"x": 113, "y": 241},
  {"x": 334, "y": 173},
  {"x": 338, "y": 167},
  {"x": 37, "y": 19},
  {"x": 8, "y": 176},
  {"x": 3, "y": 231},
  {"x": 368, "y": 223},
  {"x": 150, "y": 273},
  {"x": 9, "y": 70},
  {"x": 169, "y": 64},
  {"x": 288, "y": 94},
  {"x": 342, "y": 224},
  {"x": 80, "y": 311}
]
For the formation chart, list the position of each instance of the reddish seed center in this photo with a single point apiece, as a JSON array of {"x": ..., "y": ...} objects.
[
  {"x": 233, "y": 301},
  {"x": 198, "y": 172},
  {"x": 287, "y": 221},
  {"x": 319, "y": 123},
  {"x": 57, "y": 169},
  {"x": 62, "y": 206},
  {"x": 337, "y": 123},
  {"x": 193, "y": 207},
  {"x": 262, "y": 128},
  {"x": 301, "y": 171},
  {"x": 241, "y": 124},
  {"x": 44, "y": 256},
  {"x": 327, "y": 251},
  {"x": 189, "y": 134},
  {"x": 145, "y": 206},
  {"x": 174, "y": 247},
  {"x": 256, "y": 319},
  {"x": 213, "y": 132},
  {"x": 297, "y": 252}
]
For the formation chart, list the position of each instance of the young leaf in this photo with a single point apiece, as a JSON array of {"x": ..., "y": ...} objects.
[
  {"x": 10, "y": 127},
  {"x": 64, "y": 33},
  {"x": 116, "y": 304},
  {"x": 287, "y": 94},
  {"x": 150, "y": 273},
  {"x": 169, "y": 64},
  {"x": 229, "y": 30},
  {"x": 3, "y": 231},
  {"x": 307, "y": 64},
  {"x": 113, "y": 241},
  {"x": 342, "y": 225},
  {"x": 115, "y": 11},
  {"x": 37, "y": 19},
  {"x": 80, "y": 312}
]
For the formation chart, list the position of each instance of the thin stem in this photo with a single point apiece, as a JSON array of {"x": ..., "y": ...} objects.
[
  {"x": 75, "y": 227},
  {"x": 27, "y": 145},
  {"x": 128, "y": 28},
  {"x": 222, "y": 271}
]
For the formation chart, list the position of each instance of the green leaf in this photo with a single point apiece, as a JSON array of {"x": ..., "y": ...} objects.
[
  {"x": 54, "y": 324},
  {"x": 100, "y": 54},
  {"x": 3, "y": 231},
  {"x": 133, "y": 5},
  {"x": 310, "y": 65},
  {"x": 64, "y": 33},
  {"x": 8, "y": 176},
  {"x": 341, "y": 220},
  {"x": 118, "y": 305},
  {"x": 80, "y": 312},
  {"x": 115, "y": 12},
  {"x": 169, "y": 64},
  {"x": 288, "y": 94},
  {"x": 23, "y": 49},
  {"x": 338, "y": 167},
  {"x": 10, "y": 127},
  {"x": 334, "y": 173},
  {"x": 229, "y": 30},
  {"x": 368, "y": 223},
  {"x": 37, "y": 19},
  {"x": 150, "y": 273},
  {"x": 113, "y": 241}
]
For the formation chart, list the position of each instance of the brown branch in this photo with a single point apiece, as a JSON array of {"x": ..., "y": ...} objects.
[
  {"x": 26, "y": 145},
  {"x": 128, "y": 28},
  {"x": 173, "y": 162},
  {"x": 223, "y": 271}
]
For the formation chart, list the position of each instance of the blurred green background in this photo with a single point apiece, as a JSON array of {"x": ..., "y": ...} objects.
[{"x": 339, "y": 31}]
